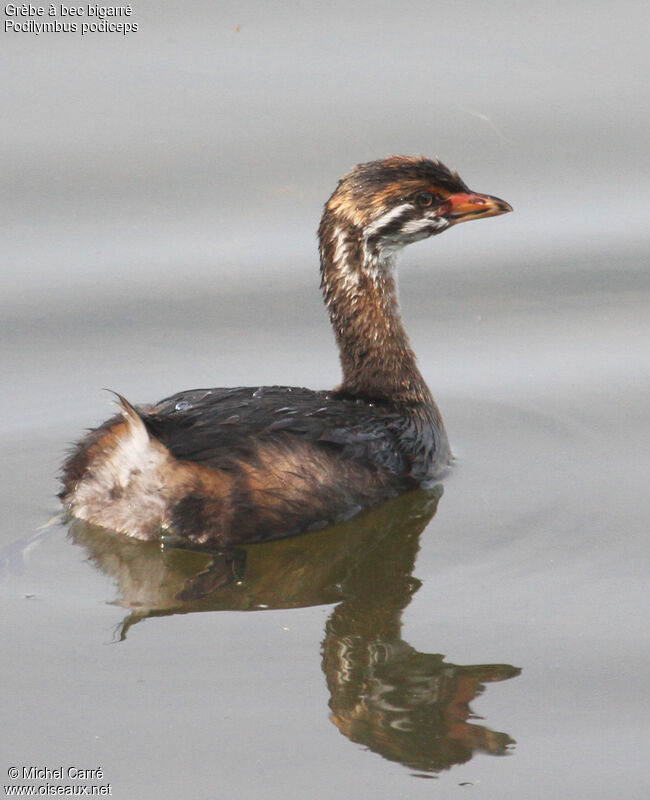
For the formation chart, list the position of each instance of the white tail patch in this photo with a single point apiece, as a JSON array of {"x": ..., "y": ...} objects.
[
  {"x": 123, "y": 486},
  {"x": 140, "y": 441}
]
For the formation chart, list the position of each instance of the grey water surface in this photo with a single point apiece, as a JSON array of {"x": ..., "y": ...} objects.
[{"x": 161, "y": 194}]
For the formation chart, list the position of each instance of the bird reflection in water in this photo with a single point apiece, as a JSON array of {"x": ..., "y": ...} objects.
[{"x": 408, "y": 706}]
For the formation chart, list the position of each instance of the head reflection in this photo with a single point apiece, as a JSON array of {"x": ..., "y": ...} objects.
[{"x": 408, "y": 706}]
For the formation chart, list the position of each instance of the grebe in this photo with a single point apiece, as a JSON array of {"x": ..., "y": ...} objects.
[{"x": 225, "y": 466}]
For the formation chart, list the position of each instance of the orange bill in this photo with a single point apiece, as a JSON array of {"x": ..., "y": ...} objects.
[{"x": 461, "y": 207}]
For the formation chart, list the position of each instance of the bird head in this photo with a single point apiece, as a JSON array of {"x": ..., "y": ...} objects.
[{"x": 399, "y": 200}]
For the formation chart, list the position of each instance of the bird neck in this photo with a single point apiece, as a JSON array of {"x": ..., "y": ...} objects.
[{"x": 360, "y": 293}]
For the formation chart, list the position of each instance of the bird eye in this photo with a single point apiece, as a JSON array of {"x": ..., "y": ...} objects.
[{"x": 424, "y": 199}]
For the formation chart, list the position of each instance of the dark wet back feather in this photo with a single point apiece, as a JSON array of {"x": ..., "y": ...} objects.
[{"x": 221, "y": 427}]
